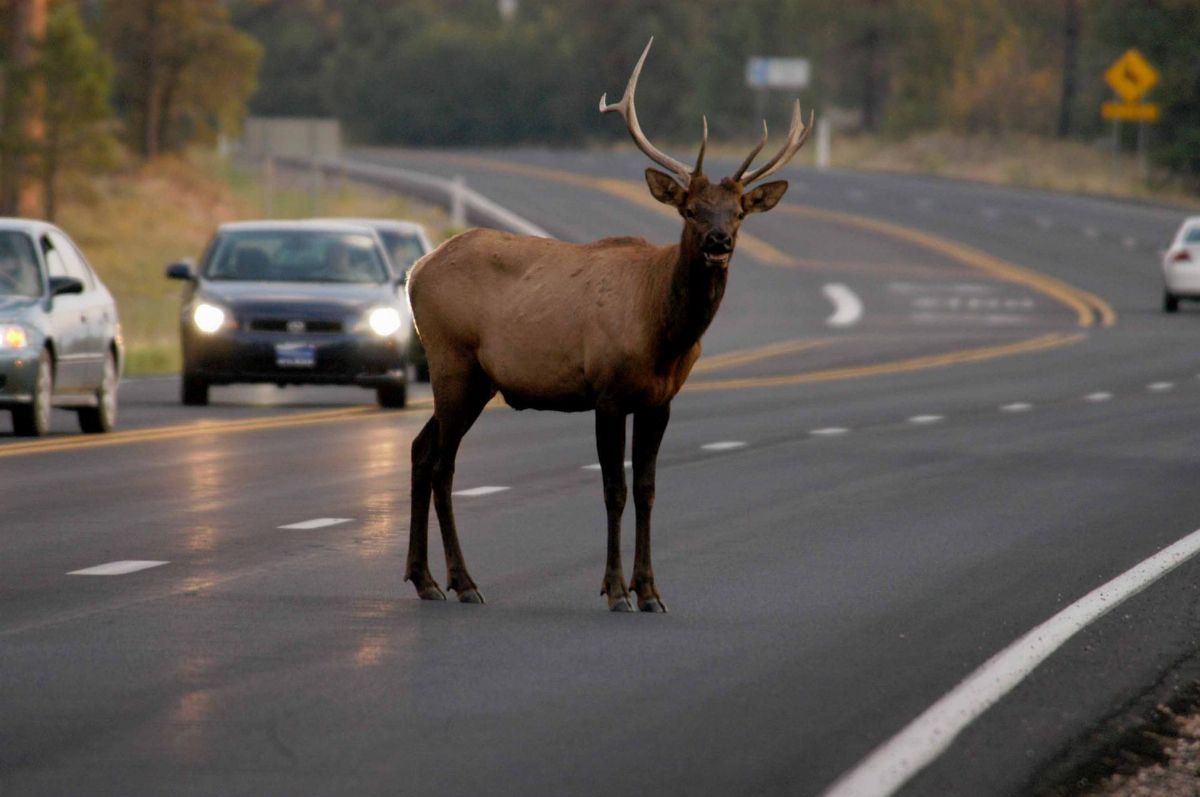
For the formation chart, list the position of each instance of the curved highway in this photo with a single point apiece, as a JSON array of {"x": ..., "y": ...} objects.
[{"x": 931, "y": 416}]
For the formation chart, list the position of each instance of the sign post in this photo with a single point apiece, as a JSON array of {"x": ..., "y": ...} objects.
[
  {"x": 764, "y": 73},
  {"x": 1131, "y": 76}
]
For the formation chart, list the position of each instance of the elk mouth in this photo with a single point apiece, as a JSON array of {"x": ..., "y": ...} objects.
[{"x": 715, "y": 259}]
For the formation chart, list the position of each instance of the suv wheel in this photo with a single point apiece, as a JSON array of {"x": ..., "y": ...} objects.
[
  {"x": 195, "y": 390},
  {"x": 392, "y": 396}
]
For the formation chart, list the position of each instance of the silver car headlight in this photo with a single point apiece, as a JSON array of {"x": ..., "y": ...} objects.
[
  {"x": 384, "y": 321},
  {"x": 13, "y": 337},
  {"x": 208, "y": 318}
]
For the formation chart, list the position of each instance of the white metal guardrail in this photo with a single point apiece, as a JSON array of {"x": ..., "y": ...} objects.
[{"x": 466, "y": 205}]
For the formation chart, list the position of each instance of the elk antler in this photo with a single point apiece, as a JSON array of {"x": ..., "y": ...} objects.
[
  {"x": 629, "y": 114},
  {"x": 797, "y": 135}
]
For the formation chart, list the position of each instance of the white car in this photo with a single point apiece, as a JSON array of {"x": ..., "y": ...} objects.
[{"x": 1181, "y": 265}]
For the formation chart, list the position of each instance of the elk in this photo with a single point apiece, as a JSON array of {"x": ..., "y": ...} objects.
[{"x": 612, "y": 326}]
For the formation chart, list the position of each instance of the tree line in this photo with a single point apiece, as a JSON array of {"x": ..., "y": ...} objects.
[
  {"x": 85, "y": 84},
  {"x": 459, "y": 72}
]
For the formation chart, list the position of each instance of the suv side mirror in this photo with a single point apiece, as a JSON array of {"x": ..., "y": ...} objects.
[
  {"x": 180, "y": 271},
  {"x": 61, "y": 285}
]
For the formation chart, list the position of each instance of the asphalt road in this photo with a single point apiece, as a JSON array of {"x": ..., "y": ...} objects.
[{"x": 1004, "y": 425}]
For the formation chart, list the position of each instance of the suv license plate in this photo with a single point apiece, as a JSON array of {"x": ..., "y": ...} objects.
[{"x": 295, "y": 355}]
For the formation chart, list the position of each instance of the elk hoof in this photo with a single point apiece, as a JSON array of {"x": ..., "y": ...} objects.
[
  {"x": 471, "y": 595},
  {"x": 431, "y": 592},
  {"x": 653, "y": 605},
  {"x": 620, "y": 604}
]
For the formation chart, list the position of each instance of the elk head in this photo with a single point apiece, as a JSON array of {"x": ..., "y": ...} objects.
[{"x": 712, "y": 211}]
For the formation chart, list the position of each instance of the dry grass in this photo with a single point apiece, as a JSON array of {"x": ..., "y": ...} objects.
[
  {"x": 131, "y": 225},
  {"x": 1018, "y": 160}
]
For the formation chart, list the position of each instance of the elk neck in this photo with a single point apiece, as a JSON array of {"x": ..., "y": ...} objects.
[{"x": 693, "y": 296}]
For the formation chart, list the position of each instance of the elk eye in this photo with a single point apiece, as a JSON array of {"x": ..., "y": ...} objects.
[{"x": 689, "y": 213}]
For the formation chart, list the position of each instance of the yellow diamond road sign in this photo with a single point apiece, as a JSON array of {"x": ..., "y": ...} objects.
[{"x": 1131, "y": 76}]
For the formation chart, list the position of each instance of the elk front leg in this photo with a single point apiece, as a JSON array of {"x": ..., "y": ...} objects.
[
  {"x": 610, "y": 446},
  {"x": 648, "y": 428}
]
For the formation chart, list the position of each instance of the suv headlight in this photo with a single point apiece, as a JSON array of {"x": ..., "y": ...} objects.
[
  {"x": 13, "y": 337},
  {"x": 384, "y": 321},
  {"x": 208, "y": 318}
]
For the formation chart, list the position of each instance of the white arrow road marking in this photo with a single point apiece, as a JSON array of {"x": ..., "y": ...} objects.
[
  {"x": 894, "y": 762},
  {"x": 317, "y": 523},
  {"x": 120, "y": 568},
  {"x": 477, "y": 491},
  {"x": 847, "y": 309}
]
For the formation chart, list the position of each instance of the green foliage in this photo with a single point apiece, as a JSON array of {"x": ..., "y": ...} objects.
[
  {"x": 184, "y": 71},
  {"x": 75, "y": 78}
]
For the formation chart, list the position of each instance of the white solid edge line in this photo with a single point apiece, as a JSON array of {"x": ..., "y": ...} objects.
[
  {"x": 894, "y": 762},
  {"x": 317, "y": 523},
  {"x": 120, "y": 568},
  {"x": 847, "y": 308},
  {"x": 477, "y": 491}
]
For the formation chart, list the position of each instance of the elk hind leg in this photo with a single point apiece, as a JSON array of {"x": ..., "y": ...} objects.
[
  {"x": 610, "y": 446},
  {"x": 458, "y": 401},
  {"x": 424, "y": 454},
  {"x": 648, "y": 428}
]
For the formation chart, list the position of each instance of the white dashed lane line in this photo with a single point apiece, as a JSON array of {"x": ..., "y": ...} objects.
[
  {"x": 723, "y": 445},
  {"x": 474, "y": 492},
  {"x": 596, "y": 466},
  {"x": 317, "y": 523},
  {"x": 1160, "y": 387},
  {"x": 829, "y": 431},
  {"x": 1096, "y": 398},
  {"x": 1017, "y": 406},
  {"x": 925, "y": 420},
  {"x": 121, "y": 568}
]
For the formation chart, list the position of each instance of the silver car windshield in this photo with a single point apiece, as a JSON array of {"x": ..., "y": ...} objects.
[
  {"x": 296, "y": 256},
  {"x": 18, "y": 266}
]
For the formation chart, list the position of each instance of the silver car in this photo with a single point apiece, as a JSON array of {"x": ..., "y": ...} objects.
[
  {"x": 1181, "y": 265},
  {"x": 60, "y": 338}
]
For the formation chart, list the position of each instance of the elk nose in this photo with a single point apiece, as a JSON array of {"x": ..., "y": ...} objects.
[{"x": 717, "y": 241}]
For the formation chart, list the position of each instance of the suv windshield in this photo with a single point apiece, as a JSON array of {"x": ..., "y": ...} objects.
[
  {"x": 18, "y": 266},
  {"x": 296, "y": 256},
  {"x": 403, "y": 248}
]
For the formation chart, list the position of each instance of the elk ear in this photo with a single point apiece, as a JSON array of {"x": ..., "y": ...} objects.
[
  {"x": 665, "y": 189},
  {"x": 765, "y": 197}
]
